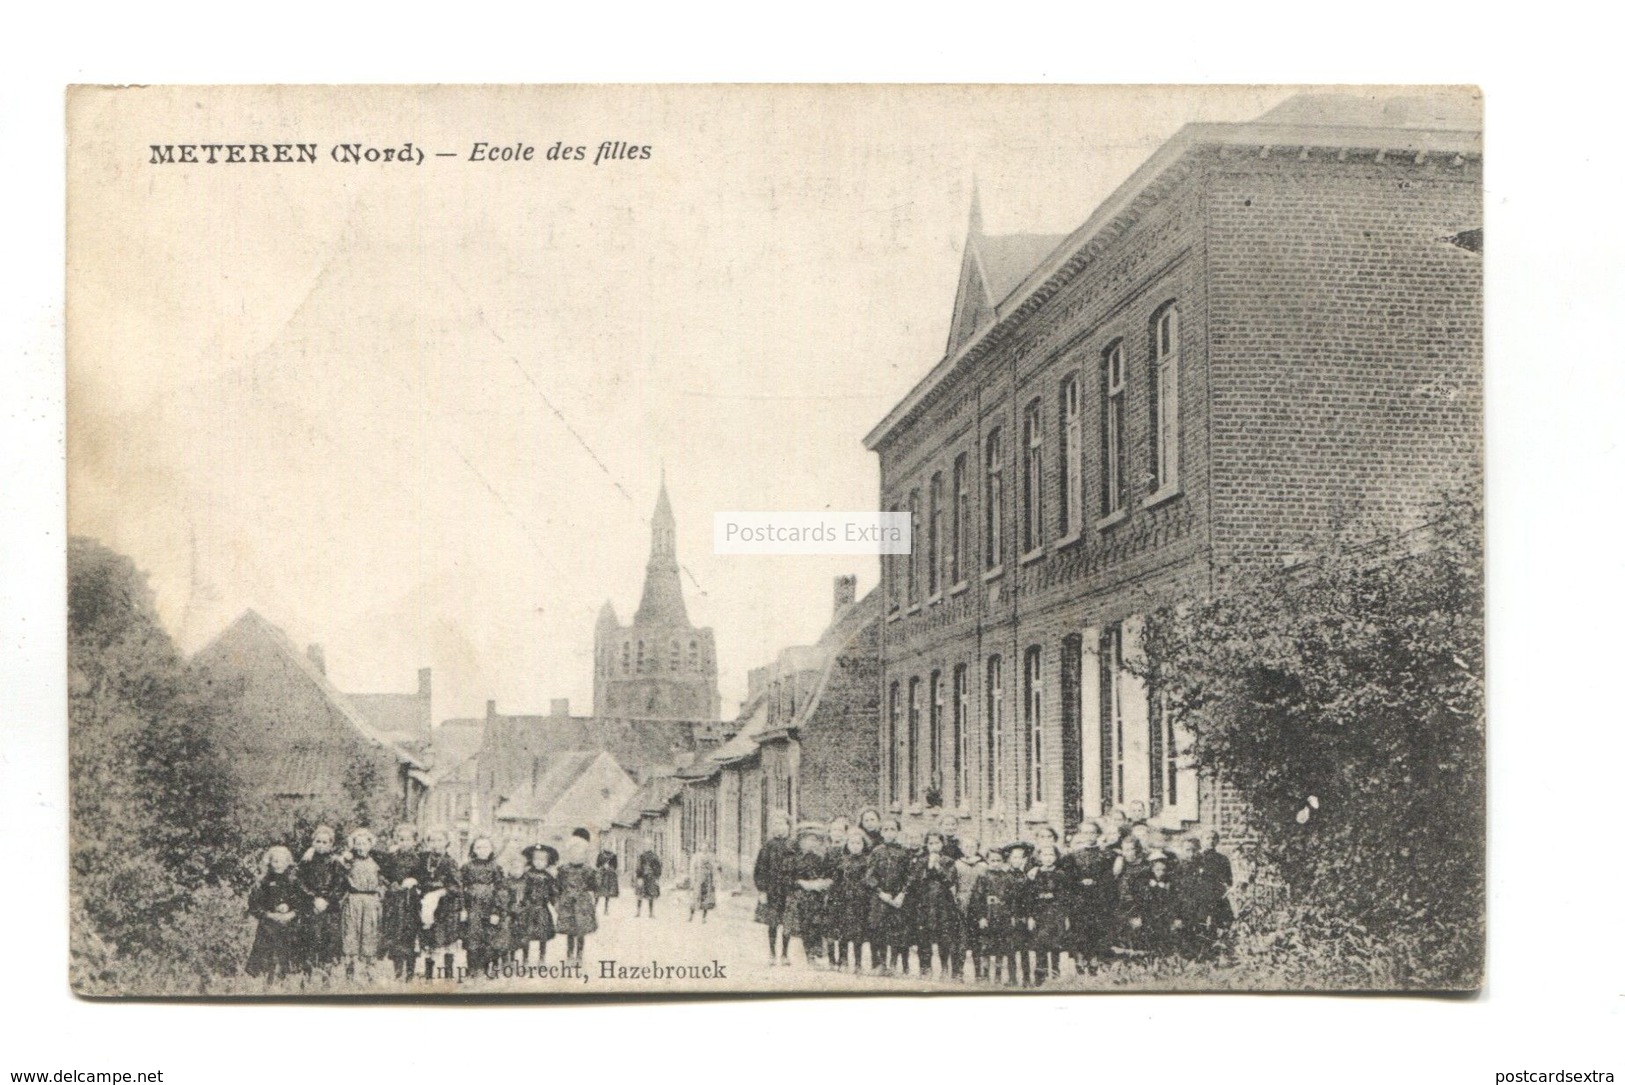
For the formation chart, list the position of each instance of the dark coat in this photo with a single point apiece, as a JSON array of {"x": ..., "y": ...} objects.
[
  {"x": 609, "y": 874},
  {"x": 1150, "y": 901},
  {"x": 534, "y": 892},
  {"x": 322, "y": 932},
  {"x": 889, "y": 867},
  {"x": 277, "y": 945},
  {"x": 1091, "y": 895},
  {"x": 804, "y": 911},
  {"x": 486, "y": 897},
  {"x": 1048, "y": 903},
  {"x": 996, "y": 901},
  {"x": 1217, "y": 872},
  {"x": 577, "y": 906},
  {"x": 399, "y": 931},
  {"x": 933, "y": 907},
  {"x": 771, "y": 875},
  {"x": 646, "y": 880},
  {"x": 847, "y": 914},
  {"x": 437, "y": 870}
]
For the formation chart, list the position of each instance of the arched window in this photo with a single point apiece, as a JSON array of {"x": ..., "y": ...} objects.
[
  {"x": 934, "y": 745},
  {"x": 1113, "y": 435},
  {"x": 956, "y": 736},
  {"x": 640, "y": 657},
  {"x": 933, "y": 537},
  {"x": 674, "y": 661},
  {"x": 1070, "y": 461},
  {"x": 960, "y": 528},
  {"x": 1032, "y": 475},
  {"x": 1034, "y": 721},
  {"x": 994, "y": 747},
  {"x": 914, "y": 547},
  {"x": 693, "y": 655},
  {"x": 993, "y": 545},
  {"x": 1164, "y": 396},
  {"x": 913, "y": 740},
  {"x": 894, "y": 743},
  {"x": 626, "y": 657}
]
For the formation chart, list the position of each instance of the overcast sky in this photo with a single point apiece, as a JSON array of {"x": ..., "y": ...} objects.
[{"x": 418, "y": 413}]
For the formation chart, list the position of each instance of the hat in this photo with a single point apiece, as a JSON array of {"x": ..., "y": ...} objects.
[
  {"x": 582, "y": 833},
  {"x": 552, "y": 852},
  {"x": 1015, "y": 846},
  {"x": 810, "y": 828}
]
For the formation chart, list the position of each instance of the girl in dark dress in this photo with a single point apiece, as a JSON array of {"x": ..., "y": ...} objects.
[
  {"x": 646, "y": 881},
  {"x": 278, "y": 902},
  {"x": 400, "y": 924},
  {"x": 1132, "y": 871},
  {"x": 322, "y": 875},
  {"x": 811, "y": 878},
  {"x": 534, "y": 894},
  {"x": 486, "y": 905},
  {"x": 577, "y": 906},
  {"x": 439, "y": 899},
  {"x": 609, "y": 877},
  {"x": 848, "y": 911},
  {"x": 888, "y": 884},
  {"x": 705, "y": 888},
  {"x": 1019, "y": 857},
  {"x": 869, "y": 822},
  {"x": 991, "y": 917},
  {"x": 1047, "y": 913},
  {"x": 933, "y": 882}
]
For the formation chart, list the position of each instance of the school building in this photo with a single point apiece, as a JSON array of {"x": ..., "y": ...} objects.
[{"x": 1269, "y": 327}]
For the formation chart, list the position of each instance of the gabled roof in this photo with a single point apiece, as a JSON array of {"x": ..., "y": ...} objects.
[
  {"x": 555, "y": 782},
  {"x": 252, "y": 627},
  {"x": 639, "y": 746},
  {"x": 455, "y": 741},
  {"x": 403, "y": 717}
]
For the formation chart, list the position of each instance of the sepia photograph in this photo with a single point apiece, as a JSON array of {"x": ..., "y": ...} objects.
[{"x": 560, "y": 541}]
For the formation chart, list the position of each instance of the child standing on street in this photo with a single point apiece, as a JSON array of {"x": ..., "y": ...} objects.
[
  {"x": 577, "y": 911},
  {"x": 486, "y": 903},
  {"x": 278, "y": 902},
  {"x": 362, "y": 913},
  {"x": 705, "y": 888},
  {"x": 534, "y": 893}
]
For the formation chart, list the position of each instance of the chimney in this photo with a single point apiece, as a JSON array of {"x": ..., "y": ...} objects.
[
  {"x": 317, "y": 659},
  {"x": 755, "y": 682},
  {"x": 424, "y": 684},
  {"x": 561, "y": 706},
  {"x": 846, "y": 593}
]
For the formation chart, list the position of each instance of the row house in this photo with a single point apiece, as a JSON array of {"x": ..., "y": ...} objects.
[{"x": 1269, "y": 327}]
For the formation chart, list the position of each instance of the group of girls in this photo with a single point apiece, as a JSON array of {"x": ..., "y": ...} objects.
[
  {"x": 347, "y": 909},
  {"x": 1014, "y": 911}
]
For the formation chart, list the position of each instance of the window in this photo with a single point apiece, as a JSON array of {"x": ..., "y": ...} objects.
[
  {"x": 993, "y": 547},
  {"x": 960, "y": 528},
  {"x": 914, "y": 547},
  {"x": 934, "y": 745},
  {"x": 1165, "y": 398},
  {"x": 693, "y": 655},
  {"x": 913, "y": 740},
  {"x": 894, "y": 743},
  {"x": 956, "y": 739},
  {"x": 626, "y": 657},
  {"x": 640, "y": 657},
  {"x": 1164, "y": 756},
  {"x": 1070, "y": 461},
  {"x": 675, "y": 659},
  {"x": 894, "y": 574},
  {"x": 933, "y": 537},
  {"x": 1034, "y": 713},
  {"x": 994, "y": 781},
  {"x": 1114, "y": 466},
  {"x": 1032, "y": 491},
  {"x": 1071, "y": 731},
  {"x": 1112, "y": 791}
]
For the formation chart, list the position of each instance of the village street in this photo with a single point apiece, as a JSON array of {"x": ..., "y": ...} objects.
[{"x": 632, "y": 954}]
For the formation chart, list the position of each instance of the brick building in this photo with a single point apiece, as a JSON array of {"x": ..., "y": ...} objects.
[
  {"x": 1270, "y": 327},
  {"x": 299, "y": 744},
  {"x": 661, "y": 666}
]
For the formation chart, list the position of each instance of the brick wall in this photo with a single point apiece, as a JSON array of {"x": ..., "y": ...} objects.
[
  {"x": 1346, "y": 344},
  {"x": 840, "y": 739}
]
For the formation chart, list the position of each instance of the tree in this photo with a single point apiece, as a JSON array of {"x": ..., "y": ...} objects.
[
  {"x": 152, "y": 801},
  {"x": 1344, "y": 700}
]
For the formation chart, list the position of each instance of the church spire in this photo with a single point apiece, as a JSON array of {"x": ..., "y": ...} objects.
[{"x": 662, "y": 585}]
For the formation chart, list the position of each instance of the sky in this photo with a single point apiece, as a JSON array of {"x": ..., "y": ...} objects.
[{"x": 419, "y": 414}]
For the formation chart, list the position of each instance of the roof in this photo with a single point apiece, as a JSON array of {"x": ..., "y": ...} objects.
[
  {"x": 404, "y": 717},
  {"x": 218, "y": 652},
  {"x": 640, "y": 746},
  {"x": 1007, "y": 259},
  {"x": 662, "y": 603},
  {"x": 1446, "y": 121},
  {"x": 561, "y": 774},
  {"x": 455, "y": 741},
  {"x": 651, "y": 798}
]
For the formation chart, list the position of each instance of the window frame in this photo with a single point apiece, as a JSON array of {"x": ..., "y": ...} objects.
[
  {"x": 1069, "y": 515},
  {"x": 1032, "y": 477},
  {"x": 1033, "y": 712},
  {"x": 1164, "y": 369},
  {"x": 1113, "y": 431},
  {"x": 993, "y": 777},
  {"x": 993, "y": 519}
]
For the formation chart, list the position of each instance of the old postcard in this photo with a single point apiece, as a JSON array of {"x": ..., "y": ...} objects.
[{"x": 580, "y": 540}]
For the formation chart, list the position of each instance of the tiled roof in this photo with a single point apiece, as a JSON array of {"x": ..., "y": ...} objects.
[
  {"x": 403, "y": 715},
  {"x": 562, "y": 773},
  {"x": 638, "y": 746}
]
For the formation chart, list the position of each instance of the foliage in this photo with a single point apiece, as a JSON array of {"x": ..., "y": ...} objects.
[
  {"x": 152, "y": 802},
  {"x": 1343, "y": 700}
]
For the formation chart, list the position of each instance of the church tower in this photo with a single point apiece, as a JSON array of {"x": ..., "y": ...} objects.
[{"x": 661, "y": 666}]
